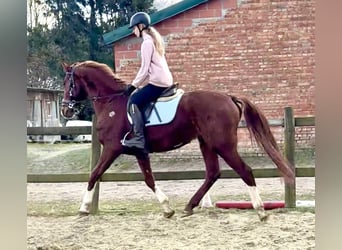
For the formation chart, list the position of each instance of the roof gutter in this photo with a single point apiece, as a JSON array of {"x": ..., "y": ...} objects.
[{"x": 157, "y": 17}]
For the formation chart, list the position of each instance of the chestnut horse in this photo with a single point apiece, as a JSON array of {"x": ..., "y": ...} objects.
[{"x": 211, "y": 117}]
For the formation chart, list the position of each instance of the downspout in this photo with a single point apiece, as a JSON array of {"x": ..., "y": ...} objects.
[{"x": 114, "y": 67}]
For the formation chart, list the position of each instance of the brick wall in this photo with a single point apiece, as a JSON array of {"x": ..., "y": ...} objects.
[
  {"x": 127, "y": 50},
  {"x": 263, "y": 50}
]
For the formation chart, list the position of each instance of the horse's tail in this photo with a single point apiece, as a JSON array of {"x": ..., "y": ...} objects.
[{"x": 258, "y": 127}]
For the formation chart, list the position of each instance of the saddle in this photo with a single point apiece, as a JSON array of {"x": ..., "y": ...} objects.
[
  {"x": 166, "y": 95},
  {"x": 162, "y": 110},
  {"x": 169, "y": 92}
]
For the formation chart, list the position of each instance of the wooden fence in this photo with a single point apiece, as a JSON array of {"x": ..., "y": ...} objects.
[{"x": 289, "y": 123}]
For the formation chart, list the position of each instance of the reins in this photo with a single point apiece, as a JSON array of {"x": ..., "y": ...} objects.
[
  {"x": 72, "y": 103},
  {"x": 98, "y": 98}
]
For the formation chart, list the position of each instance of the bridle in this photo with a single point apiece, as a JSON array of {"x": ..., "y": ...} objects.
[{"x": 71, "y": 103}]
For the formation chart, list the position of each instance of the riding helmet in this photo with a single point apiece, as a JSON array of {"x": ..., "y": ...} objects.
[{"x": 140, "y": 17}]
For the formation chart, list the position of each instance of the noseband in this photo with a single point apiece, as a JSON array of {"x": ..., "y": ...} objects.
[{"x": 70, "y": 103}]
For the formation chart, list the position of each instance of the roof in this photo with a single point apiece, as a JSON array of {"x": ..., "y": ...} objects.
[{"x": 159, "y": 16}]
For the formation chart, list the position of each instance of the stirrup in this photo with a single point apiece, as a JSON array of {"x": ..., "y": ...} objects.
[
  {"x": 123, "y": 139},
  {"x": 138, "y": 145},
  {"x": 134, "y": 141}
]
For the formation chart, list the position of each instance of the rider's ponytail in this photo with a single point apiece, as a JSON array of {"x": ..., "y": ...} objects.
[{"x": 158, "y": 40}]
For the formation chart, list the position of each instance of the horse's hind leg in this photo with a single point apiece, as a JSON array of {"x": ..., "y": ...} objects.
[
  {"x": 212, "y": 174},
  {"x": 145, "y": 166},
  {"x": 234, "y": 160}
]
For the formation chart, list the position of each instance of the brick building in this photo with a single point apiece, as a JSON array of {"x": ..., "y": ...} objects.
[{"x": 264, "y": 50}]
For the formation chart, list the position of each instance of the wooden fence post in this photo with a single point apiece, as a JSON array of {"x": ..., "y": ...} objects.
[
  {"x": 94, "y": 157},
  {"x": 289, "y": 151}
]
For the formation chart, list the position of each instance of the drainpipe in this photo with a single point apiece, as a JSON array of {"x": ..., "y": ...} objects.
[{"x": 114, "y": 67}]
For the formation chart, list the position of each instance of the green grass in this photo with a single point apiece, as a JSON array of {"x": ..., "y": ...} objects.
[
  {"x": 75, "y": 158},
  {"x": 305, "y": 157},
  {"x": 57, "y": 158},
  {"x": 68, "y": 158}
]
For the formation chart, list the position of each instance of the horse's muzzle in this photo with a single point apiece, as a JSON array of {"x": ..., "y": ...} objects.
[{"x": 68, "y": 113}]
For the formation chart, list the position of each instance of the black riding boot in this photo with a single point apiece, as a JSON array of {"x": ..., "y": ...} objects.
[{"x": 138, "y": 141}]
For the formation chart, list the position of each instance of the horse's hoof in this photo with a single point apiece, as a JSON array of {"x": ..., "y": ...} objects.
[
  {"x": 83, "y": 213},
  {"x": 84, "y": 210},
  {"x": 187, "y": 213},
  {"x": 169, "y": 214},
  {"x": 263, "y": 217}
]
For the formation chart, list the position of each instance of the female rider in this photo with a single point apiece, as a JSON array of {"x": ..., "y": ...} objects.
[{"x": 154, "y": 75}]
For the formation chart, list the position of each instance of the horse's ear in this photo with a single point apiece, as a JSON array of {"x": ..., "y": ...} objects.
[{"x": 65, "y": 67}]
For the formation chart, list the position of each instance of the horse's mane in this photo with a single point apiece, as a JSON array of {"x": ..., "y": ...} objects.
[{"x": 102, "y": 67}]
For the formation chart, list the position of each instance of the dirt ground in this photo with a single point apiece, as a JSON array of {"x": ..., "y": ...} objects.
[
  {"x": 127, "y": 220},
  {"x": 130, "y": 216}
]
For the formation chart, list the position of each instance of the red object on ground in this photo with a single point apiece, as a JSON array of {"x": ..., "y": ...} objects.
[{"x": 248, "y": 204}]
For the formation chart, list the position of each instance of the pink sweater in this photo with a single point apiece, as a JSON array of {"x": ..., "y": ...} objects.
[{"x": 154, "y": 68}]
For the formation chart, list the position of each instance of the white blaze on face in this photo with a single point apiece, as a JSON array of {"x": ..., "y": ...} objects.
[{"x": 255, "y": 197}]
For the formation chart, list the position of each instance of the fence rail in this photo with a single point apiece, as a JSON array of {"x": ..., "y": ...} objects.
[
  {"x": 289, "y": 123},
  {"x": 159, "y": 175},
  {"x": 76, "y": 130}
]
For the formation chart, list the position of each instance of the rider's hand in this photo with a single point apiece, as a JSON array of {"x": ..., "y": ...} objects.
[{"x": 129, "y": 89}]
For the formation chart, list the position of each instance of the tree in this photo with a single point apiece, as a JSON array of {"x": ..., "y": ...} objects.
[
  {"x": 74, "y": 35},
  {"x": 70, "y": 31}
]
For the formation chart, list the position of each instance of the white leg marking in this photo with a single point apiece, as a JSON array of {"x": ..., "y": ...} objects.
[
  {"x": 163, "y": 199},
  {"x": 85, "y": 209},
  {"x": 87, "y": 200},
  {"x": 258, "y": 205},
  {"x": 255, "y": 197},
  {"x": 206, "y": 201},
  {"x": 160, "y": 195}
]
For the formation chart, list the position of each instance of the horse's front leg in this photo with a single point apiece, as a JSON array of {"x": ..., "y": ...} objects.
[
  {"x": 212, "y": 174},
  {"x": 145, "y": 166},
  {"x": 108, "y": 155}
]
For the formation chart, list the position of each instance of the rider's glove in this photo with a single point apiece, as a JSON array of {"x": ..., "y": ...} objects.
[{"x": 129, "y": 89}]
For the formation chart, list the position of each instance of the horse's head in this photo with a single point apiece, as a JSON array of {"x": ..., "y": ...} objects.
[
  {"x": 74, "y": 91},
  {"x": 88, "y": 79}
]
